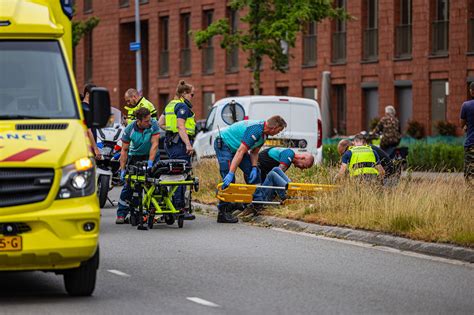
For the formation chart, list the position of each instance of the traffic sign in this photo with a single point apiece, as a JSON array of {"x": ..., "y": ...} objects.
[{"x": 134, "y": 46}]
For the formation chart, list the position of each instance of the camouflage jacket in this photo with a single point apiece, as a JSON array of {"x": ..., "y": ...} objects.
[{"x": 389, "y": 126}]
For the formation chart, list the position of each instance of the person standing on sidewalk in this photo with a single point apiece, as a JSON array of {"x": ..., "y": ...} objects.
[
  {"x": 135, "y": 102},
  {"x": 467, "y": 124},
  {"x": 180, "y": 125},
  {"x": 140, "y": 143},
  {"x": 238, "y": 146}
]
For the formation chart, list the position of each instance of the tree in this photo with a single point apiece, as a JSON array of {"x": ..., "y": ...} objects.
[
  {"x": 81, "y": 28},
  {"x": 271, "y": 23}
]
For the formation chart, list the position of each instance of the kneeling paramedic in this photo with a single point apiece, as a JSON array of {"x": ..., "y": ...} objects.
[
  {"x": 178, "y": 121},
  {"x": 232, "y": 148},
  {"x": 362, "y": 161},
  {"x": 282, "y": 158},
  {"x": 140, "y": 143}
]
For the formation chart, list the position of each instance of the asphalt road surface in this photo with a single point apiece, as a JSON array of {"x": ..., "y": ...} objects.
[{"x": 210, "y": 268}]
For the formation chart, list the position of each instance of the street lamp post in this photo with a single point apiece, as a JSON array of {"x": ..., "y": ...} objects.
[{"x": 138, "y": 52}]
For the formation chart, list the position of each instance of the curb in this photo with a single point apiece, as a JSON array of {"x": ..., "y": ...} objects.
[{"x": 374, "y": 238}]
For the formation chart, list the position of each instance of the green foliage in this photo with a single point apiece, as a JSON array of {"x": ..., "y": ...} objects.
[
  {"x": 405, "y": 223},
  {"x": 330, "y": 154},
  {"x": 445, "y": 128},
  {"x": 415, "y": 129},
  {"x": 270, "y": 22},
  {"x": 81, "y": 28}
]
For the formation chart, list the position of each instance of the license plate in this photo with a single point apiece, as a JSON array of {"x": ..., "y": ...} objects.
[
  {"x": 274, "y": 142},
  {"x": 10, "y": 243}
]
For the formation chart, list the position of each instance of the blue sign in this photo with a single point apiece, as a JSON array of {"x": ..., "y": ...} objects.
[{"x": 134, "y": 46}]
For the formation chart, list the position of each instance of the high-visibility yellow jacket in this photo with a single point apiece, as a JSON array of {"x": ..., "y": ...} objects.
[
  {"x": 362, "y": 161},
  {"x": 143, "y": 102},
  {"x": 171, "y": 119}
]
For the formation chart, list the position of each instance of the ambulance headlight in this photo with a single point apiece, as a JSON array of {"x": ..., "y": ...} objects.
[{"x": 78, "y": 179}]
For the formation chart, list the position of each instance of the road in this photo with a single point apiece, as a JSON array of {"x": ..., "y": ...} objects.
[{"x": 210, "y": 268}]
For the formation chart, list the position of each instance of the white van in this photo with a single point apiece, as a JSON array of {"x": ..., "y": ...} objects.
[{"x": 303, "y": 134}]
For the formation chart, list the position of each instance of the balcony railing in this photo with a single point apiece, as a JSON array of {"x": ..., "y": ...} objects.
[
  {"x": 471, "y": 35},
  {"x": 371, "y": 44},
  {"x": 403, "y": 41},
  {"x": 309, "y": 50},
  {"x": 440, "y": 37},
  {"x": 164, "y": 63},
  {"x": 232, "y": 62},
  {"x": 208, "y": 60},
  {"x": 185, "y": 64},
  {"x": 339, "y": 47}
]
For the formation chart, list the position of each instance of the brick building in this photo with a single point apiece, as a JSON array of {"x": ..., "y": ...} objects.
[{"x": 415, "y": 54}]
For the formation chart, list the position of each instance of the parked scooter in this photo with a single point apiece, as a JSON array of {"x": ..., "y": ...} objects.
[{"x": 109, "y": 143}]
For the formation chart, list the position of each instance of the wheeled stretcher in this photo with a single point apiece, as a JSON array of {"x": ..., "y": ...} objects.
[
  {"x": 295, "y": 192},
  {"x": 153, "y": 190}
]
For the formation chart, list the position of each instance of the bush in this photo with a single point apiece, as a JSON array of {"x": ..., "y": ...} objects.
[
  {"x": 436, "y": 157},
  {"x": 330, "y": 154},
  {"x": 445, "y": 128},
  {"x": 415, "y": 129}
]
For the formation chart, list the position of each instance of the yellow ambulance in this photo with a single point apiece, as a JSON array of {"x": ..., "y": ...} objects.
[{"x": 49, "y": 212}]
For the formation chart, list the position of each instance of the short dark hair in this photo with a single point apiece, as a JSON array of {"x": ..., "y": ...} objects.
[
  {"x": 142, "y": 113},
  {"x": 471, "y": 86},
  {"x": 360, "y": 137},
  {"x": 88, "y": 89}
]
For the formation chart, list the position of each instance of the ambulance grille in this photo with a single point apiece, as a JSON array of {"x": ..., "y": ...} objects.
[
  {"x": 41, "y": 126},
  {"x": 19, "y": 186}
]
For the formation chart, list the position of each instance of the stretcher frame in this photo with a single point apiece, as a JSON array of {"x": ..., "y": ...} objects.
[
  {"x": 296, "y": 192},
  {"x": 154, "y": 197}
]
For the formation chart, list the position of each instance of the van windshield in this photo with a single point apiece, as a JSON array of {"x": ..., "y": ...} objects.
[{"x": 34, "y": 83}]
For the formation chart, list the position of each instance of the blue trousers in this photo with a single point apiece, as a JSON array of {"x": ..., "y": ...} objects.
[
  {"x": 224, "y": 157},
  {"x": 178, "y": 151},
  {"x": 127, "y": 191},
  {"x": 276, "y": 178}
]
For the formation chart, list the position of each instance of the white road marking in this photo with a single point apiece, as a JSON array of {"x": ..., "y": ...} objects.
[
  {"x": 118, "y": 273},
  {"x": 202, "y": 301},
  {"x": 382, "y": 248}
]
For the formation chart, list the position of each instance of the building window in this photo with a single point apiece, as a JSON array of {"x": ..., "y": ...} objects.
[
  {"x": 403, "y": 29},
  {"x": 339, "y": 36},
  {"x": 185, "y": 52},
  {"x": 88, "y": 57},
  {"x": 164, "y": 46},
  {"x": 208, "y": 49},
  {"x": 231, "y": 93},
  {"x": 163, "y": 99},
  {"x": 370, "y": 52},
  {"x": 282, "y": 91},
  {"x": 144, "y": 1},
  {"x": 124, "y": 3},
  {"x": 438, "y": 103},
  {"x": 371, "y": 100},
  {"x": 87, "y": 6},
  {"x": 310, "y": 92},
  {"x": 208, "y": 99},
  {"x": 232, "y": 60},
  {"x": 405, "y": 105},
  {"x": 341, "y": 108},
  {"x": 440, "y": 27},
  {"x": 310, "y": 37}
]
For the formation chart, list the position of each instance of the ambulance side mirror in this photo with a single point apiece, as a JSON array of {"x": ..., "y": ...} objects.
[{"x": 99, "y": 108}]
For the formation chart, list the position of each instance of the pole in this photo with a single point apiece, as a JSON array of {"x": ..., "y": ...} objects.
[{"x": 138, "y": 53}]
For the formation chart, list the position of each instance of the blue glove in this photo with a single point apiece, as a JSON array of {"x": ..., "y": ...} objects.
[
  {"x": 253, "y": 175},
  {"x": 150, "y": 164},
  {"x": 122, "y": 175},
  {"x": 227, "y": 180}
]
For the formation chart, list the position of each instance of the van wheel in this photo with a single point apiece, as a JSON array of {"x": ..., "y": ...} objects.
[
  {"x": 81, "y": 281},
  {"x": 103, "y": 189}
]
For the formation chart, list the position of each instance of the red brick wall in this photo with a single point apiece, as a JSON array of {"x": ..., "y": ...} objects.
[{"x": 114, "y": 64}]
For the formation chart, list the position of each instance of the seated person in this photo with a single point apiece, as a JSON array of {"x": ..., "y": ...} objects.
[
  {"x": 282, "y": 158},
  {"x": 361, "y": 161}
]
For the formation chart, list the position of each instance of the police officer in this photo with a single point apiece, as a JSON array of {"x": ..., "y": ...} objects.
[
  {"x": 91, "y": 132},
  {"x": 361, "y": 161},
  {"x": 135, "y": 102},
  {"x": 238, "y": 146},
  {"x": 282, "y": 158},
  {"x": 140, "y": 143},
  {"x": 180, "y": 125}
]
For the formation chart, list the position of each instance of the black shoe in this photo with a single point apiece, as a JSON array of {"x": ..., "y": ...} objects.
[
  {"x": 224, "y": 217},
  {"x": 189, "y": 216}
]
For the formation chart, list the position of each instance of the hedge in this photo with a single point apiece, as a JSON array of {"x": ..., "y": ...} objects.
[{"x": 439, "y": 157}]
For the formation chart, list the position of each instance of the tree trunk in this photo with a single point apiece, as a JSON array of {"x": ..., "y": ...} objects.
[{"x": 256, "y": 75}]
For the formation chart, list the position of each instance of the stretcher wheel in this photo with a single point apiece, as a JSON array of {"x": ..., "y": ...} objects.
[
  {"x": 151, "y": 218},
  {"x": 134, "y": 219},
  {"x": 181, "y": 221},
  {"x": 169, "y": 219}
]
